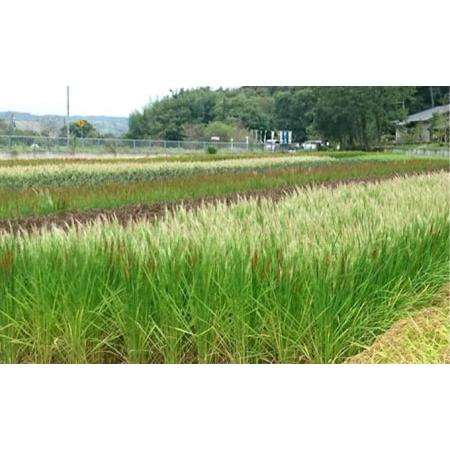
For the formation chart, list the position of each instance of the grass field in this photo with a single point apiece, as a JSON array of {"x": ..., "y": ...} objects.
[{"x": 311, "y": 279}]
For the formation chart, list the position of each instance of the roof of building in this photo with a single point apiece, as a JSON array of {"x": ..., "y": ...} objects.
[{"x": 423, "y": 116}]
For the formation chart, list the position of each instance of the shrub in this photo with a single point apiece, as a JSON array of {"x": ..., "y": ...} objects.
[{"x": 14, "y": 153}]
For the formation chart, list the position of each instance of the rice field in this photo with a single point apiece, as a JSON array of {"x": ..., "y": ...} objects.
[
  {"x": 32, "y": 188},
  {"x": 312, "y": 278},
  {"x": 47, "y": 175},
  {"x": 313, "y": 274},
  {"x": 87, "y": 172}
]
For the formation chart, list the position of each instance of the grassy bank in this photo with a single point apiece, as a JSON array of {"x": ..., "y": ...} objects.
[
  {"x": 309, "y": 279},
  {"x": 422, "y": 338}
]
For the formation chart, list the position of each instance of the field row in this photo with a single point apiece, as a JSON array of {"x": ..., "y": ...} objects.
[
  {"x": 179, "y": 158},
  {"x": 34, "y": 201},
  {"x": 48, "y": 175},
  {"x": 311, "y": 278},
  {"x": 84, "y": 173}
]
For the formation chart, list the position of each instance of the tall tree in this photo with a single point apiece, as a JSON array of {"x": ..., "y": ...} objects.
[{"x": 354, "y": 116}]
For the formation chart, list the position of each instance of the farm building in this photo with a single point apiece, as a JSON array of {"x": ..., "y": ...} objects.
[{"x": 418, "y": 127}]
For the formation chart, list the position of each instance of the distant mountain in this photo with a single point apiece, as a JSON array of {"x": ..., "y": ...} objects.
[{"x": 116, "y": 126}]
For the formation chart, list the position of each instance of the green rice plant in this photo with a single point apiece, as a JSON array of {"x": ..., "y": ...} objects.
[{"x": 309, "y": 279}]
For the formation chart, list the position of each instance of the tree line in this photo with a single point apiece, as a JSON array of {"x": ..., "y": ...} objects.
[
  {"x": 354, "y": 117},
  {"x": 78, "y": 129}
]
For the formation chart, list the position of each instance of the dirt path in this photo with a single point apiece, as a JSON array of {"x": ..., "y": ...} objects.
[{"x": 126, "y": 214}]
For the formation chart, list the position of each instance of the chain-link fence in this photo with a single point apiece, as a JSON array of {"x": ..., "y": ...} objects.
[
  {"x": 444, "y": 152},
  {"x": 40, "y": 146}
]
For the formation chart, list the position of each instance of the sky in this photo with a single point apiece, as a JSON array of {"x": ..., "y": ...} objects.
[
  {"x": 84, "y": 100},
  {"x": 117, "y": 54}
]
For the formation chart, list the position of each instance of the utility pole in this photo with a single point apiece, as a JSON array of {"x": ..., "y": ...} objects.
[
  {"x": 432, "y": 96},
  {"x": 68, "y": 116},
  {"x": 12, "y": 124}
]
